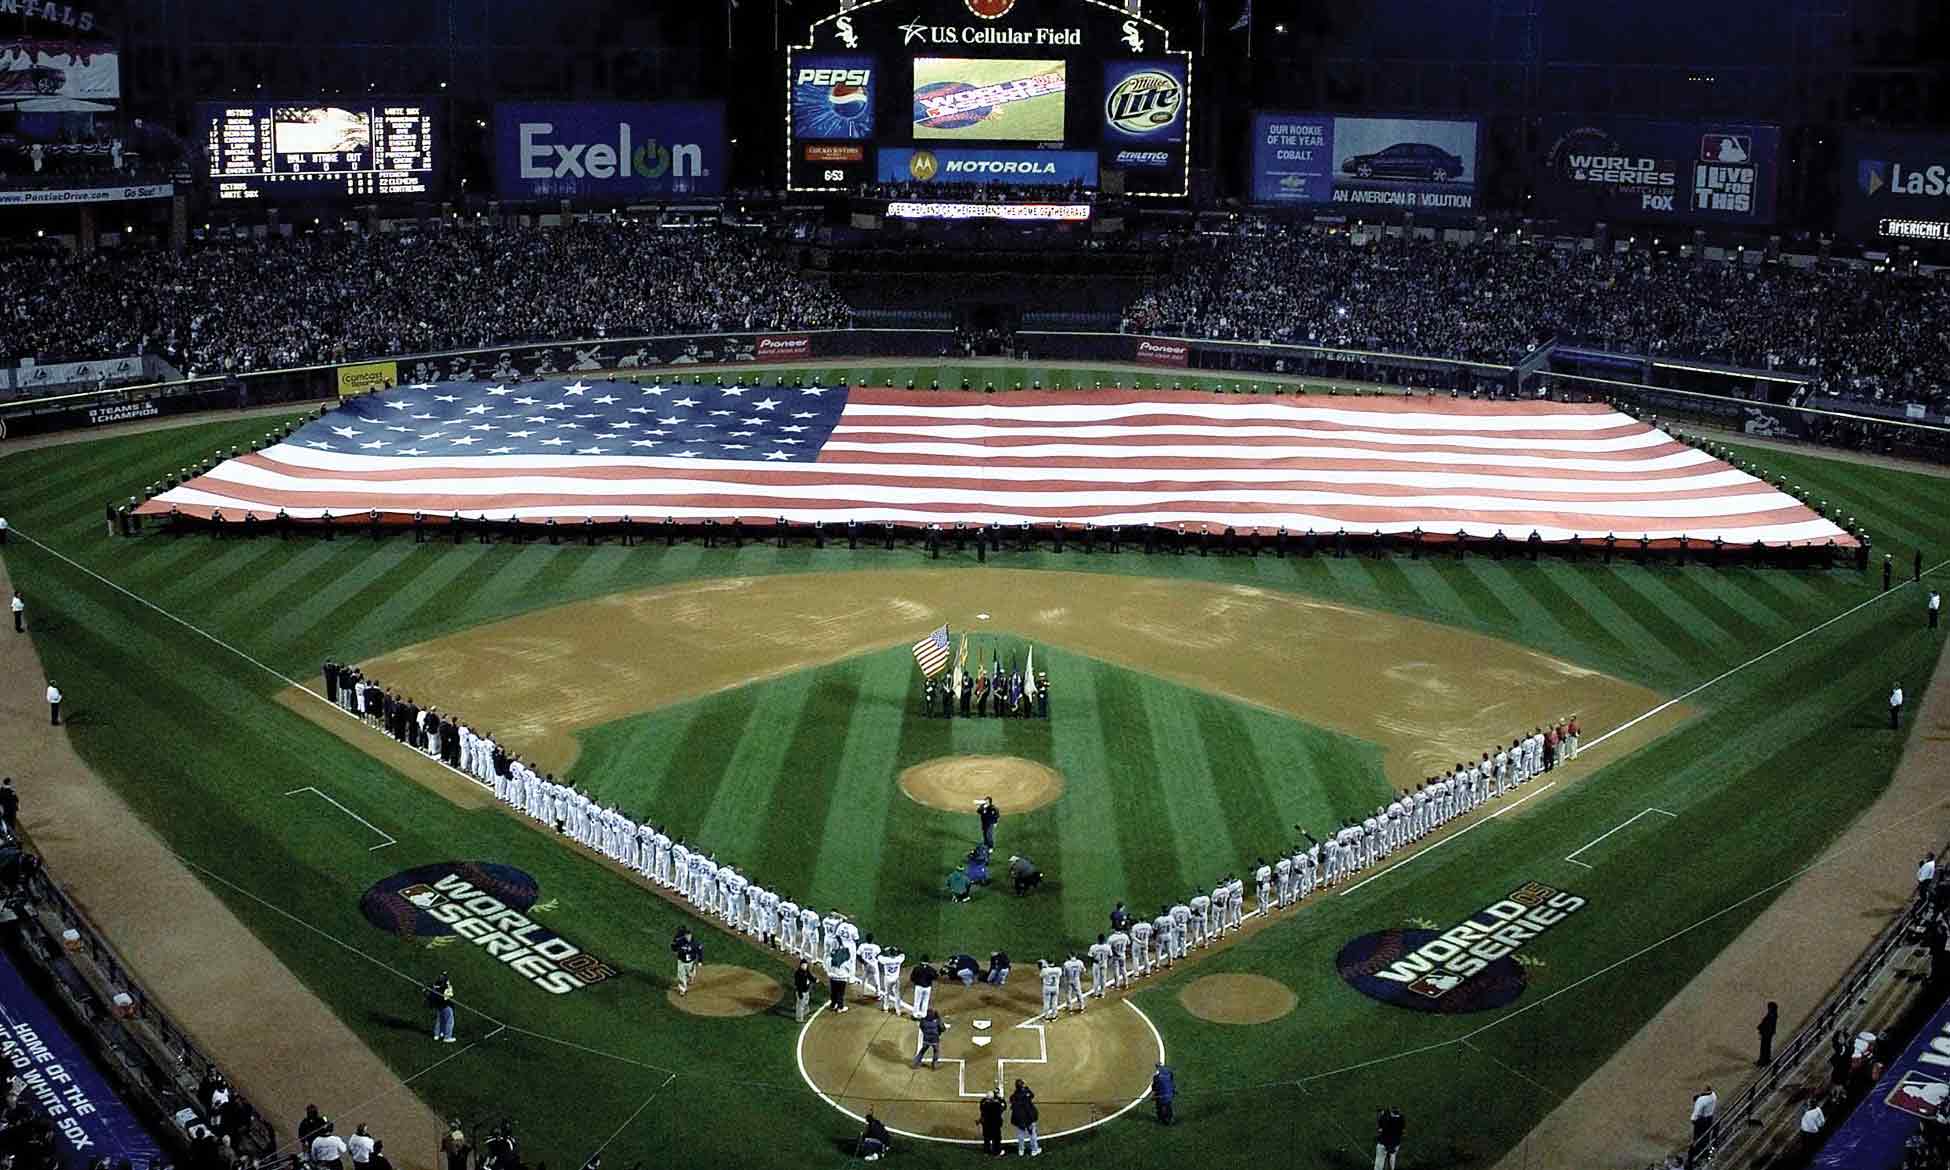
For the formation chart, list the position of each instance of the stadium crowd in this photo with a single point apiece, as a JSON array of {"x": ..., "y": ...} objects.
[
  {"x": 1865, "y": 334},
  {"x": 322, "y": 297}
]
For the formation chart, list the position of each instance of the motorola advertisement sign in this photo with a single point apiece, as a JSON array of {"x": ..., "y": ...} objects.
[{"x": 988, "y": 90}]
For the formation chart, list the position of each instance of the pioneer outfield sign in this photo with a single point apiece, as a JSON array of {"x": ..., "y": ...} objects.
[{"x": 1476, "y": 965}]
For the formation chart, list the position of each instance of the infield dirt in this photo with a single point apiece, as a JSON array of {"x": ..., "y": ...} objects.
[
  {"x": 1237, "y": 998},
  {"x": 955, "y": 783},
  {"x": 719, "y": 990},
  {"x": 1429, "y": 695},
  {"x": 1085, "y": 1067}
]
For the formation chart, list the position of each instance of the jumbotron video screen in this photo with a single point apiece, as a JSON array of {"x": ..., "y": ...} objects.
[{"x": 1050, "y": 93}]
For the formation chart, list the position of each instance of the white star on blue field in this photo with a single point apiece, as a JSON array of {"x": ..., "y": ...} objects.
[{"x": 771, "y": 424}]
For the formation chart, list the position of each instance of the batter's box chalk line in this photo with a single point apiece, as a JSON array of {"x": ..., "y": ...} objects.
[{"x": 799, "y": 1055}]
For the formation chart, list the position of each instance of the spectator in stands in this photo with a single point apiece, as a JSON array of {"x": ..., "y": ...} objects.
[
  {"x": 454, "y": 1147},
  {"x": 237, "y": 306},
  {"x": 379, "y": 1159},
  {"x": 10, "y": 810}
]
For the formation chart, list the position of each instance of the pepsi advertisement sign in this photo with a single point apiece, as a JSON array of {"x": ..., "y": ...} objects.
[
  {"x": 1895, "y": 187},
  {"x": 609, "y": 150},
  {"x": 1661, "y": 172},
  {"x": 832, "y": 96},
  {"x": 901, "y": 164}
]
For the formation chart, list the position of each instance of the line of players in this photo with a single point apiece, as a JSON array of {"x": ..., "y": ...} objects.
[{"x": 1132, "y": 948}]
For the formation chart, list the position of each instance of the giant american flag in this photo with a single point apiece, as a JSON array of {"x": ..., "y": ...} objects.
[{"x": 606, "y": 450}]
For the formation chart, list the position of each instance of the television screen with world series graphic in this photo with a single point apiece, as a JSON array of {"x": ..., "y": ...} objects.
[{"x": 943, "y": 93}]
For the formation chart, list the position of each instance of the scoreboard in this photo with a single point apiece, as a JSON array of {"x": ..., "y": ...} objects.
[
  {"x": 924, "y": 92},
  {"x": 281, "y": 150}
]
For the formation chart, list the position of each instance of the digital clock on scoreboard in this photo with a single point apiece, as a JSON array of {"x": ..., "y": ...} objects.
[{"x": 288, "y": 150}]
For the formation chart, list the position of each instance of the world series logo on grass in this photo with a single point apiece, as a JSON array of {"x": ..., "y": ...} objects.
[
  {"x": 484, "y": 903},
  {"x": 1473, "y": 966}
]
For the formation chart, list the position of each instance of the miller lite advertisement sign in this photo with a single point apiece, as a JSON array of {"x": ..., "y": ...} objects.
[{"x": 898, "y": 77}]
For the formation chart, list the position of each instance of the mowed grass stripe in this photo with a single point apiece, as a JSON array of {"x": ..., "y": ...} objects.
[
  {"x": 435, "y": 580},
  {"x": 846, "y": 845},
  {"x": 803, "y": 799},
  {"x": 1093, "y": 810},
  {"x": 696, "y": 767},
  {"x": 1199, "y": 821},
  {"x": 758, "y": 766},
  {"x": 382, "y": 577},
  {"x": 1575, "y": 625},
  {"x": 1124, "y": 764},
  {"x": 1242, "y": 778},
  {"x": 1655, "y": 657}
]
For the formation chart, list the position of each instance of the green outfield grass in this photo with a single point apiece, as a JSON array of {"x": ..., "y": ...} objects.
[
  {"x": 1166, "y": 788},
  {"x": 1780, "y": 759}
]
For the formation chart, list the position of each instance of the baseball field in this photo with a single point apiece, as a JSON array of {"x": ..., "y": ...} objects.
[{"x": 762, "y": 701}]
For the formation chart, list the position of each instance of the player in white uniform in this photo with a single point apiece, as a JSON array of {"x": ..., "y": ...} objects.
[
  {"x": 1263, "y": 885},
  {"x": 1221, "y": 893},
  {"x": 1052, "y": 977},
  {"x": 1236, "y": 901},
  {"x": 850, "y": 939},
  {"x": 1100, "y": 965},
  {"x": 1201, "y": 909},
  {"x": 1142, "y": 932},
  {"x": 890, "y": 980},
  {"x": 809, "y": 934},
  {"x": 1120, "y": 958},
  {"x": 870, "y": 966},
  {"x": 789, "y": 927},
  {"x": 1073, "y": 982},
  {"x": 1181, "y": 930},
  {"x": 1283, "y": 879}
]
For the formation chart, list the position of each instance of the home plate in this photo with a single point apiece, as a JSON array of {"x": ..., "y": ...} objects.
[
  {"x": 981, "y": 1041},
  {"x": 982, "y": 1025}
]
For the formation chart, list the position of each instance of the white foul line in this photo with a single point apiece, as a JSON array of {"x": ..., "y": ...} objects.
[
  {"x": 1572, "y": 856},
  {"x": 348, "y": 812},
  {"x": 1633, "y": 722}
]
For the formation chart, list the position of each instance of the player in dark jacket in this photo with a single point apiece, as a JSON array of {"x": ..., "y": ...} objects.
[{"x": 992, "y": 1110}]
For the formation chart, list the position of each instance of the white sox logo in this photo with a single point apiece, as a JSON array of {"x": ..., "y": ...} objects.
[
  {"x": 843, "y": 29},
  {"x": 1133, "y": 39}
]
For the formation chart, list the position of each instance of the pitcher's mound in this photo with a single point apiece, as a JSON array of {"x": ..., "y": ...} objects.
[
  {"x": 955, "y": 783},
  {"x": 1237, "y": 999},
  {"x": 727, "y": 991}
]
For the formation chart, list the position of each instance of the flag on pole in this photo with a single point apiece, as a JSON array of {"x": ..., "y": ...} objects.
[
  {"x": 996, "y": 674},
  {"x": 961, "y": 668},
  {"x": 1245, "y": 18},
  {"x": 1029, "y": 677},
  {"x": 931, "y": 652}
]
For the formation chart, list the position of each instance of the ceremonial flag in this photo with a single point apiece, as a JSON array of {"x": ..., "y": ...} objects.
[
  {"x": 961, "y": 668},
  {"x": 931, "y": 652},
  {"x": 1029, "y": 676},
  {"x": 606, "y": 451}
]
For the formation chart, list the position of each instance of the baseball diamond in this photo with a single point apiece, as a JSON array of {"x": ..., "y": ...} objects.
[{"x": 1200, "y": 713}]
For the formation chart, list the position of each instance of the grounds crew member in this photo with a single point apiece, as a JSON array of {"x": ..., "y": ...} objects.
[
  {"x": 1388, "y": 1129},
  {"x": 1164, "y": 1090},
  {"x": 802, "y": 985},
  {"x": 20, "y": 613},
  {"x": 54, "y": 705},
  {"x": 1895, "y": 705},
  {"x": 689, "y": 954},
  {"x": 440, "y": 997},
  {"x": 1935, "y": 607}
]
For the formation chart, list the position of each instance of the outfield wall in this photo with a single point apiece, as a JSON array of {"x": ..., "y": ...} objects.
[{"x": 1200, "y": 359}]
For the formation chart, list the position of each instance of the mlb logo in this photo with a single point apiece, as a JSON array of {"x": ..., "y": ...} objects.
[
  {"x": 1725, "y": 148},
  {"x": 1918, "y": 1094},
  {"x": 1436, "y": 986},
  {"x": 1532, "y": 894},
  {"x": 422, "y": 895}
]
